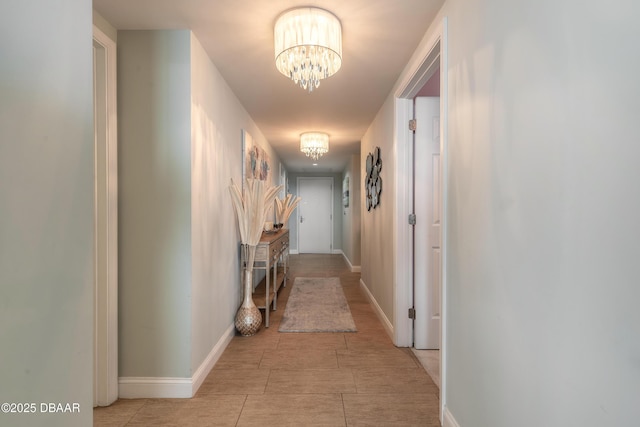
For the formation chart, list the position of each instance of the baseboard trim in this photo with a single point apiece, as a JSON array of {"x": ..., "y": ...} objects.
[
  {"x": 388, "y": 326},
  {"x": 168, "y": 387},
  {"x": 448, "y": 420},
  {"x": 337, "y": 252},
  {"x": 293, "y": 251},
  {"x": 211, "y": 359},
  {"x": 154, "y": 387},
  {"x": 353, "y": 268}
]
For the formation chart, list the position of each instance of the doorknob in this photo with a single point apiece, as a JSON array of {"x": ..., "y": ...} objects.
[{"x": 301, "y": 219}]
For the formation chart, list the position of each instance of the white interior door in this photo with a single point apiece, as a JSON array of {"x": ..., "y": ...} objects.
[
  {"x": 315, "y": 219},
  {"x": 427, "y": 237}
]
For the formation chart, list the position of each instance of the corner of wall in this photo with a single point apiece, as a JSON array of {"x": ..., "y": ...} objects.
[
  {"x": 388, "y": 326},
  {"x": 105, "y": 26},
  {"x": 174, "y": 388},
  {"x": 448, "y": 420}
]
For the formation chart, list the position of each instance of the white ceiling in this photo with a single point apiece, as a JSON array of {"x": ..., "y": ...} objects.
[{"x": 379, "y": 37}]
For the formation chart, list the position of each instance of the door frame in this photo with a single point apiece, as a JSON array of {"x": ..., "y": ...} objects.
[
  {"x": 312, "y": 178},
  {"x": 431, "y": 55},
  {"x": 105, "y": 387}
]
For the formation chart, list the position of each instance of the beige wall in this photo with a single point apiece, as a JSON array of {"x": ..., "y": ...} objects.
[{"x": 377, "y": 224}]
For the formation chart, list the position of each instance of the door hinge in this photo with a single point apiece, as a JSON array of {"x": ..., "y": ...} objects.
[
  {"x": 412, "y": 219},
  {"x": 412, "y": 313},
  {"x": 413, "y": 123}
]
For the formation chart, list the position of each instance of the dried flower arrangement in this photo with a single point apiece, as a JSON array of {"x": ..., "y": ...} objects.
[
  {"x": 251, "y": 206},
  {"x": 285, "y": 207}
]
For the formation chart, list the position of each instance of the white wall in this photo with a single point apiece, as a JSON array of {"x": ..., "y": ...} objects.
[
  {"x": 351, "y": 214},
  {"x": 180, "y": 138},
  {"x": 46, "y": 209},
  {"x": 216, "y": 157},
  {"x": 543, "y": 323}
]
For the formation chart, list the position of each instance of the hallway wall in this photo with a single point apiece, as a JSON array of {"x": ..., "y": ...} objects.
[
  {"x": 351, "y": 215},
  {"x": 217, "y": 118},
  {"x": 46, "y": 210},
  {"x": 180, "y": 139},
  {"x": 542, "y": 223},
  {"x": 377, "y": 241},
  {"x": 542, "y": 213},
  {"x": 154, "y": 158}
]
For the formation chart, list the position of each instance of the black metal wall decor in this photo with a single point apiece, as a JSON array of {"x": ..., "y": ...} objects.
[{"x": 373, "y": 180}]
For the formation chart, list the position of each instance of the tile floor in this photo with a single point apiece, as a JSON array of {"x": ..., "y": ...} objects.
[
  {"x": 430, "y": 360},
  {"x": 301, "y": 379}
]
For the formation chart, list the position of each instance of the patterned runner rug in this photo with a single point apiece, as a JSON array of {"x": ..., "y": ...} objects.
[{"x": 317, "y": 304}]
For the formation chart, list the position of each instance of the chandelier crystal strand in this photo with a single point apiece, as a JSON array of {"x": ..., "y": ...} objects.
[
  {"x": 308, "y": 46},
  {"x": 314, "y": 144}
]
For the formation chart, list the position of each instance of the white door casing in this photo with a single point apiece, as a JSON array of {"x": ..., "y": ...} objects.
[
  {"x": 430, "y": 54},
  {"x": 105, "y": 369},
  {"x": 315, "y": 219},
  {"x": 427, "y": 207}
]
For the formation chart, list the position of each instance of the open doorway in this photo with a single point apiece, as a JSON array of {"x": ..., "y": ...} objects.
[
  {"x": 429, "y": 60},
  {"x": 105, "y": 352}
]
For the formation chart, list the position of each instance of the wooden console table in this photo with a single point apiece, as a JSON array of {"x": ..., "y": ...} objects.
[{"x": 272, "y": 255}]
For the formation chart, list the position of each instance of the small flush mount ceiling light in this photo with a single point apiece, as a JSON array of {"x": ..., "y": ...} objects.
[
  {"x": 314, "y": 144},
  {"x": 308, "y": 45}
]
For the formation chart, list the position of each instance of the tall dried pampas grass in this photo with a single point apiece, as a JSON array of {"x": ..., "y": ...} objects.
[
  {"x": 252, "y": 206},
  {"x": 285, "y": 207}
]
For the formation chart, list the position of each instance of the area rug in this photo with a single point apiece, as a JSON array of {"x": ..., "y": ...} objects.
[{"x": 317, "y": 304}]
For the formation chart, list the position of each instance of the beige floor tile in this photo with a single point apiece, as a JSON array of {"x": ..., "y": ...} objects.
[
  {"x": 393, "y": 410},
  {"x": 260, "y": 341},
  {"x": 117, "y": 414},
  {"x": 318, "y": 341},
  {"x": 306, "y": 410},
  {"x": 393, "y": 380},
  {"x": 299, "y": 359},
  {"x": 234, "y": 381},
  {"x": 240, "y": 358},
  {"x": 393, "y": 358},
  {"x": 195, "y": 412},
  {"x": 369, "y": 342},
  {"x": 430, "y": 361},
  {"x": 302, "y": 381}
]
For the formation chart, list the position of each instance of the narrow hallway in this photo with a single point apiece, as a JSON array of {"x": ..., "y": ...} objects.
[{"x": 301, "y": 379}]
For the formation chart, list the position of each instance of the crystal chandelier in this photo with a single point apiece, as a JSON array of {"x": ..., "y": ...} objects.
[
  {"x": 314, "y": 144},
  {"x": 308, "y": 45}
]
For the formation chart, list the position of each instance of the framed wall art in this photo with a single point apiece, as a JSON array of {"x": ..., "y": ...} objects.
[
  {"x": 373, "y": 180},
  {"x": 256, "y": 161},
  {"x": 345, "y": 192}
]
